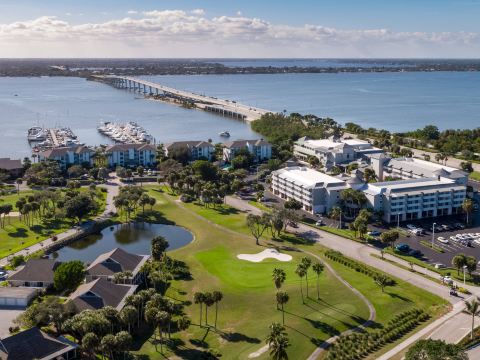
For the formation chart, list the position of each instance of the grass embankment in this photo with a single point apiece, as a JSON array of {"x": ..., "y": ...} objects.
[
  {"x": 16, "y": 235},
  {"x": 218, "y": 262},
  {"x": 248, "y": 307},
  {"x": 475, "y": 175}
]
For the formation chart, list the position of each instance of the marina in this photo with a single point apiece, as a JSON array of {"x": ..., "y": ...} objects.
[
  {"x": 52, "y": 138},
  {"x": 130, "y": 132}
]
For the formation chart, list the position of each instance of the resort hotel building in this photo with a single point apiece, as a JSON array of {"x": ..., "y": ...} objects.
[
  {"x": 333, "y": 151},
  {"x": 424, "y": 190},
  {"x": 317, "y": 191}
]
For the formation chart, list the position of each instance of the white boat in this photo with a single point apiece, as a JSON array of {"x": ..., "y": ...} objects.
[
  {"x": 36, "y": 133},
  {"x": 225, "y": 133}
]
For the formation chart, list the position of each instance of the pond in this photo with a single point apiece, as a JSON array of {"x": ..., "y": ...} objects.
[{"x": 134, "y": 238}]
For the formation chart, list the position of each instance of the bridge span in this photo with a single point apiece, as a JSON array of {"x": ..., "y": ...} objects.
[{"x": 222, "y": 107}]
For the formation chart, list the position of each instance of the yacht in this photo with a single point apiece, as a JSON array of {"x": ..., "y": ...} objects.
[
  {"x": 225, "y": 133},
  {"x": 36, "y": 133}
]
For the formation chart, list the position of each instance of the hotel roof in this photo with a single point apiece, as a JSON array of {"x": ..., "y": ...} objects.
[
  {"x": 423, "y": 168},
  {"x": 307, "y": 177},
  {"x": 412, "y": 186}
]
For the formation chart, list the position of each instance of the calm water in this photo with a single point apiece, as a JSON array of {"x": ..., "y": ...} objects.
[
  {"x": 134, "y": 238},
  {"x": 395, "y": 101}
]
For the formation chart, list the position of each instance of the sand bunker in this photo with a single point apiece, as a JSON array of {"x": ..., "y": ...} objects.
[{"x": 265, "y": 254}]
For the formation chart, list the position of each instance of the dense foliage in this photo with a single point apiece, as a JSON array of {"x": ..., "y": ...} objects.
[
  {"x": 68, "y": 275},
  {"x": 435, "y": 350},
  {"x": 357, "y": 266},
  {"x": 360, "y": 345}
]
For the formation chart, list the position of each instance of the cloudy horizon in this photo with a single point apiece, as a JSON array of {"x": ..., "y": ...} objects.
[{"x": 194, "y": 33}]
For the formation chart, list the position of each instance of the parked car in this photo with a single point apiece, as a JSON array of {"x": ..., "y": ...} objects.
[
  {"x": 446, "y": 227},
  {"x": 402, "y": 247},
  {"x": 374, "y": 233},
  {"x": 411, "y": 227},
  {"x": 415, "y": 253},
  {"x": 293, "y": 224},
  {"x": 459, "y": 225},
  {"x": 438, "y": 228},
  {"x": 439, "y": 266},
  {"x": 442, "y": 240},
  {"x": 415, "y": 231},
  {"x": 319, "y": 223}
]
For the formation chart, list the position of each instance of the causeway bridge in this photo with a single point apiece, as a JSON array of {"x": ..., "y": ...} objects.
[{"x": 222, "y": 107}]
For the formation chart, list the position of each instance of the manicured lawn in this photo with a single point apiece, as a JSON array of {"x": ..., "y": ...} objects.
[
  {"x": 248, "y": 307},
  {"x": 393, "y": 301},
  {"x": 16, "y": 235},
  {"x": 475, "y": 175},
  {"x": 13, "y": 198}
]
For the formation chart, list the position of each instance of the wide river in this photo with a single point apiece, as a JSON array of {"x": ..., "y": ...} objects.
[{"x": 394, "y": 101}]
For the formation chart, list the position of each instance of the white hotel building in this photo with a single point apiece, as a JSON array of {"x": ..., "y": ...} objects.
[
  {"x": 415, "y": 198},
  {"x": 317, "y": 192},
  {"x": 408, "y": 199}
]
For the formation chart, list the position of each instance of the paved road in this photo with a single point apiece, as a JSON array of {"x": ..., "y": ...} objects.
[{"x": 442, "y": 328}]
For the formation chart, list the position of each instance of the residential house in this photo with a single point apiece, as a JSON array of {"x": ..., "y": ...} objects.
[
  {"x": 260, "y": 149},
  {"x": 131, "y": 155},
  {"x": 68, "y": 156},
  {"x": 36, "y": 273},
  {"x": 196, "y": 149},
  {"x": 116, "y": 261},
  {"x": 34, "y": 344},
  {"x": 99, "y": 293},
  {"x": 14, "y": 168}
]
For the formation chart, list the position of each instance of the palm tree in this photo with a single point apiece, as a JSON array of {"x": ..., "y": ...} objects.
[
  {"x": 282, "y": 299},
  {"x": 276, "y": 330},
  {"x": 217, "y": 297},
  {"x": 382, "y": 281},
  {"x": 199, "y": 298},
  {"x": 128, "y": 315},
  {"x": 318, "y": 269},
  {"x": 300, "y": 271},
  {"x": 208, "y": 301},
  {"x": 459, "y": 261},
  {"x": 278, "y": 277},
  {"x": 467, "y": 207},
  {"x": 336, "y": 213},
  {"x": 18, "y": 182},
  {"x": 472, "y": 308},
  {"x": 307, "y": 262},
  {"x": 278, "y": 349},
  {"x": 163, "y": 320}
]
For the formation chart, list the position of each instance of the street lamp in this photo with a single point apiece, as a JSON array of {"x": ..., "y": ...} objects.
[
  {"x": 464, "y": 268},
  {"x": 433, "y": 233}
]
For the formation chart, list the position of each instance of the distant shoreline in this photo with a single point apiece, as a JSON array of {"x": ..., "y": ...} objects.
[{"x": 140, "y": 67}]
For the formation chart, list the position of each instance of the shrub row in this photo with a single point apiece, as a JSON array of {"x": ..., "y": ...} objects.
[
  {"x": 359, "y": 345},
  {"x": 359, "y": 267}
]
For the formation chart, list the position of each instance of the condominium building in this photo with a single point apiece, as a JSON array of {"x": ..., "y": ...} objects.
[
  {"x": 131, "y": 155},
  {"x": 196, "y": 149},
  {"x": 317, "y": 192},
  {"x": 415, "y": 198},
  {"x": 260, "y": 149},
  {"x": 69, "y": 155},
  {"x": 333, "y": 151}
]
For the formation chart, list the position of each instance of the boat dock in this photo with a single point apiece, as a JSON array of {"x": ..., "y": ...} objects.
[
  {"x": 222, "y": 107},
  {"x": 57, "y": 137},
  {"x": 130, "y": 132}
]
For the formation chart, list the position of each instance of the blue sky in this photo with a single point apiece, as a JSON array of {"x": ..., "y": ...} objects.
[{"x": 363, "y": 28}]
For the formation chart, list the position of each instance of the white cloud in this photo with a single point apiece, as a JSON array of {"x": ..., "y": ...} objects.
[
  {"x": 199, "y": 12},
  {"x": 177, "y": 33}
]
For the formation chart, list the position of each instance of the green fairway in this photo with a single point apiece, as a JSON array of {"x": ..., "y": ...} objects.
[
  {"x": 249, "y": 306},
  {"x": 393, "y": 301}
]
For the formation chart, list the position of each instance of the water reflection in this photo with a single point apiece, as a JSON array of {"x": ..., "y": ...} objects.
[{"x": 134, "y": 238}]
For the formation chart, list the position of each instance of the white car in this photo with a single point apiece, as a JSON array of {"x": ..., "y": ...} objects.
[
  {"x": 411, "y": 227},
  {"x": 453, "y": 238},
  {"x": 442, "y": 240},
  {"x": 319, "y": 223}
]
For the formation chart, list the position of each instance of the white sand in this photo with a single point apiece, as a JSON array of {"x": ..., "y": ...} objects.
[{"x": 265, "y": 254}]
